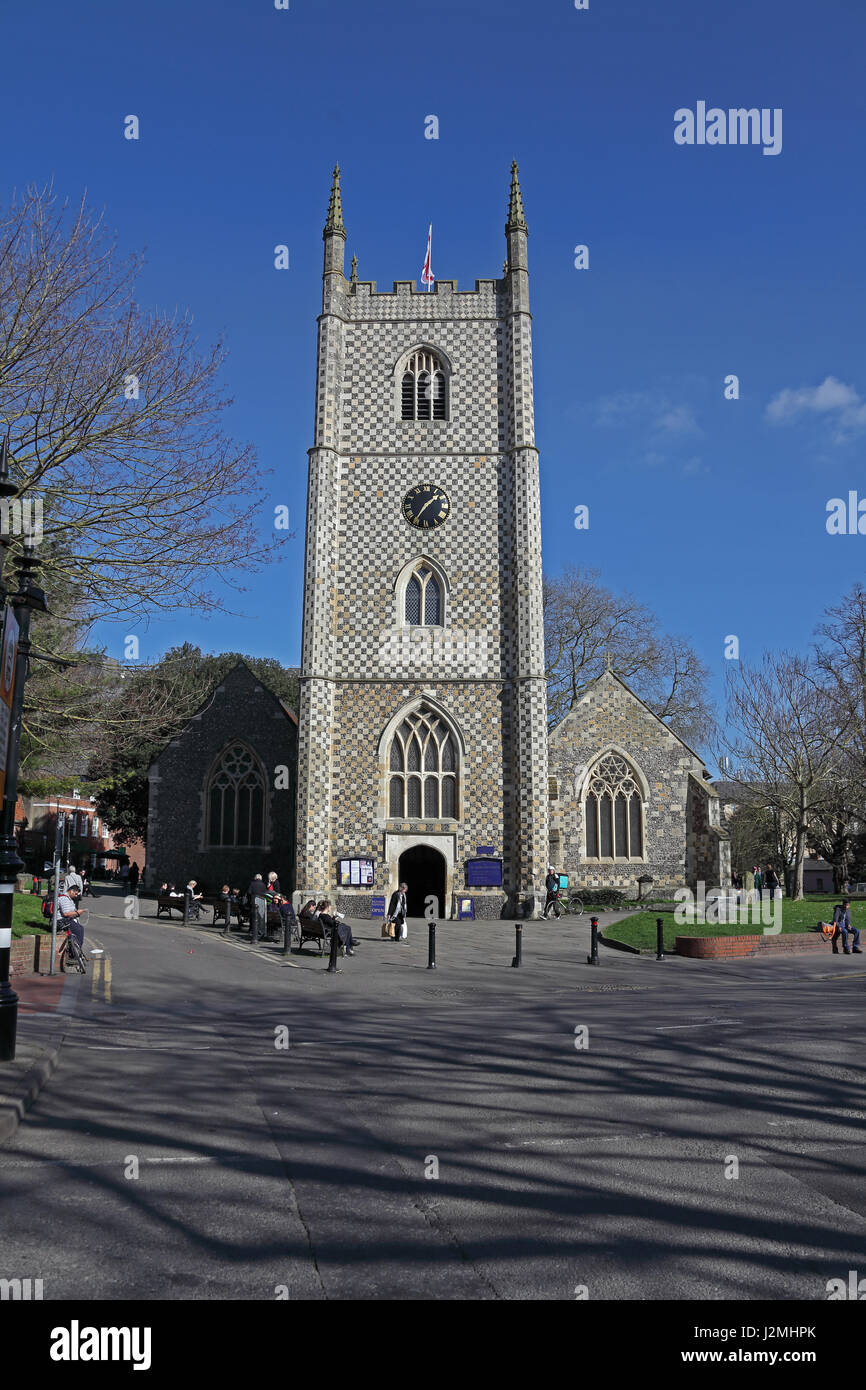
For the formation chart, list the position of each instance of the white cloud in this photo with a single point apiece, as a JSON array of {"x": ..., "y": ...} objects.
[
  {"x": 646, "y": 410},
  {"x": 832, "y": 398}
]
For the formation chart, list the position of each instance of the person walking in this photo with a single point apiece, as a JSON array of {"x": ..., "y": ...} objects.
[
  {"x": 397, "y": 913},
  {"x": 759, "y": 883},
  {"x": 771, "y": 881},
  {"x": 257, "y": 894},
  {"x": 842, "y": 923},
  {"x": 133, "y": 878},
  {"x": 551, "y": 888},
  {"x": 124, "y": 873},
  {"x": 74, "y": 880}
]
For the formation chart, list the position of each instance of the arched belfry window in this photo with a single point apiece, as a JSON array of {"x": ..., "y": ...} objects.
[
  {"x": 236, "y": 799},
  {"x": 422, "y": 768},
  {"x": 422, "y": 604},
  {"x": 424, "y": 388},
  {"x": 613, "y": 811}
]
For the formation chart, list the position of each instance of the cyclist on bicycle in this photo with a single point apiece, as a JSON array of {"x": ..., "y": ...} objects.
[
  {"x": 67, "y": 910},
  {"x": 551, "y": 902}
]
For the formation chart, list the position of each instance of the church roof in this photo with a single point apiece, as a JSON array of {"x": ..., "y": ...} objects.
[
  {"x": 239, "y": 668},
  {"x": 335, "y": 206},
  {"x": 516, "y": 215},
  {"x": 609, "y": 674}
]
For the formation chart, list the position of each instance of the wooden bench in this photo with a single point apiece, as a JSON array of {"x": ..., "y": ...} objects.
[{"x": 167, "y": 903}]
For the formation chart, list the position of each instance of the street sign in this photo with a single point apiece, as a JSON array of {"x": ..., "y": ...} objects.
[{"x": 8, "y": 661}]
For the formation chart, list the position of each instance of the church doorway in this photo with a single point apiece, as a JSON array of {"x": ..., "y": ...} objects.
[{"x": 422, "y": 869}]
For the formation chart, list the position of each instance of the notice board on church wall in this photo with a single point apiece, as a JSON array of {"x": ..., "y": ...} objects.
[
  {"x": 355, "y": 873},
  {"x": 483, "y": 873}
]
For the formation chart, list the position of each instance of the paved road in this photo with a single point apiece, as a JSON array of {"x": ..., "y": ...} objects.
[{"x": 180, "y": 1151}]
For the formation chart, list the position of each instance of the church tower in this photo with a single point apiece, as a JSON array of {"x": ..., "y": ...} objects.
[{"x": 423, "y": 728}]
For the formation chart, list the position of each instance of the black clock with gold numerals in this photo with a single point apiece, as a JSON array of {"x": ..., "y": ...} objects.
[{"x": 426, "y": 506}]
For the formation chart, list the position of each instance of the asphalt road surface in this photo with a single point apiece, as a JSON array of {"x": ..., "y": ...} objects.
[{"x": 224, "y": 1124}]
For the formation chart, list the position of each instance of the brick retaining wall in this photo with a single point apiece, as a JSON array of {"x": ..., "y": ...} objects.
[
  {"x": 30, "y": 953},
  {"x": 730, "y": 947}
]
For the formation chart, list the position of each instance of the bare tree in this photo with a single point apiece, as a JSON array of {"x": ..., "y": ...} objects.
[
  {"x": 841, "y": 657},
  {"x": 114, "y": 417},
  {"x": 784, "y": 739},
  {"x": 585, "y": 624}
]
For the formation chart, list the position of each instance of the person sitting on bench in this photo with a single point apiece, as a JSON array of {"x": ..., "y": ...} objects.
[
  {"x": 336, "y": 922},
  {"x": 842, "y": 923}
]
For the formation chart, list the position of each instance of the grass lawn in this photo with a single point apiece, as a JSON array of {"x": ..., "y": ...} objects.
[
  {"x": 640, "y": 928},
  {"x": 27, "y": 919}
]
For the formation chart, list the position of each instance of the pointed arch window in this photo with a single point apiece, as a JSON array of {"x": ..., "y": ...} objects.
[
  {"x": 423, "y": 601},
  {"x": 424, "y": 388},
  {"x": 613, "y": 811},
  {"x": 423, "y": 769},
  {"x": 236, "y": 799}
]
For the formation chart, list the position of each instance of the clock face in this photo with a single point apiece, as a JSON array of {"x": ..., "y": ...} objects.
[{"x": 426, "y": 506}]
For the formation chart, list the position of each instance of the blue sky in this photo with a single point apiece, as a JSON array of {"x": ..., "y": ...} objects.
[{"x": 704, "y": 260}]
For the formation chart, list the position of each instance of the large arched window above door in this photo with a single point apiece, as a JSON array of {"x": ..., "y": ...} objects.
[
  {"x": 423, "y": 768},
  {"x": 236, "y": 799},
  {"x": 613, "y": 810}
]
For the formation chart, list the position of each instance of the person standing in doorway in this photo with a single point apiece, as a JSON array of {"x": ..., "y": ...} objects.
[
  {"x": 397, "y": 912},
  {"x": 133, "y": 878}
]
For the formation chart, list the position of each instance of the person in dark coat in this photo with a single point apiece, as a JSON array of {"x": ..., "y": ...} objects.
[
  {"x": 397, "y": 912},
  {"x": 334, "y": 921},
  {"x": 133, "y": 878},
  {"x": 257, "y": 894},
  {"x": 842, "y": 923}
]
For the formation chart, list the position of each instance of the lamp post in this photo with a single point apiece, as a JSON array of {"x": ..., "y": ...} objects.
[{"x": 14, "y": 663}]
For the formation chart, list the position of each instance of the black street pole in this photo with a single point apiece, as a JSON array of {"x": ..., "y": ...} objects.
[
  {"x": 431, "y": 946},
  {"x": 592, "y": 958},
  {"x": 18, "y": 609},
  {"x": 333, "y": 968},
  {"x": 517, "y": 960},
  {"x": 660, "y": 939}
]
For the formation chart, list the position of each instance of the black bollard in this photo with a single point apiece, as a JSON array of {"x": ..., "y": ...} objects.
[
  {"x": 254, "y": 920},
  {"x": 592, "y": 958},
  {"x": 518, "y": 945},
  {"x": 431, "y": 946},
  {"x": 185, "y": 909},
  {"x": 660, "y": 939},
  {"x": 333, "y": 968},
  {"x": 287, "y": 935}
]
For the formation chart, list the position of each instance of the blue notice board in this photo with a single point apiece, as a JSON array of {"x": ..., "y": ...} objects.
[
  {"x": 377, "y": 907},
  {"x": 465, "y": 909},
  {"x": 483, "y": 873}
]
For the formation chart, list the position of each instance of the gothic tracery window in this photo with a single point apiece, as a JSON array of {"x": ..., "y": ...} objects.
[
  {"x": 613, "y": 811},
  {"x": 422, "y": 780},
  {"x": 423, "y": 601},
  {"x": 424, "y": 390},
  {"x": 236, "y": 799}
]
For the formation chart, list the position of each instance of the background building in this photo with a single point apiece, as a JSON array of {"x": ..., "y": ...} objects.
[{"x": 222, "y": 793}]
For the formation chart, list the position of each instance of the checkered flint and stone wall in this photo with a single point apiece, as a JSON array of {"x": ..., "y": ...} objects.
[
  {"x": 682, "y": 839},
  {"x": 486, "y": 675}
]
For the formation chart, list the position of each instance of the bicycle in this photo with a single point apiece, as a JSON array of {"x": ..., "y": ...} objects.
[{"x": 72, "y": 956}]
